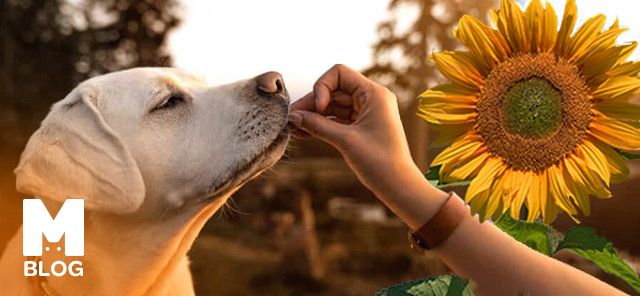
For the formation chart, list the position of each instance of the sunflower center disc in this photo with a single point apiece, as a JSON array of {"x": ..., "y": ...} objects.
[{"x": 533, "y": 109}]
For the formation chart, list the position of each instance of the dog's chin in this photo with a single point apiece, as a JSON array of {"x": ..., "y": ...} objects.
[{"x": 251, "y": 169}]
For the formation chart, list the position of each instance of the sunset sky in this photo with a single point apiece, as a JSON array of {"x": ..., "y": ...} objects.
[{"x": 231, "y": 40}]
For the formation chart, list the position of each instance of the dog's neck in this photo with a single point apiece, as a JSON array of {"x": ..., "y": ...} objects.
[{"x": 139, "y": 259}]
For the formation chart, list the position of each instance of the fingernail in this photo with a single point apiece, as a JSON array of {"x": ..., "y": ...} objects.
[{"x": 295, "y": 118}]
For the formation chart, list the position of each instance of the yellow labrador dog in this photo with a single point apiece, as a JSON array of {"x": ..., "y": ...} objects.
[{"x": 154, "y": 153}]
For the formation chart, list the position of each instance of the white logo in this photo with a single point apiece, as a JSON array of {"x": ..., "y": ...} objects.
[{"x": 37, "y": 221}]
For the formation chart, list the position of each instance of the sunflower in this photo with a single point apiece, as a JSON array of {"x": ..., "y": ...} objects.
[{"x": 535, "y": 115}]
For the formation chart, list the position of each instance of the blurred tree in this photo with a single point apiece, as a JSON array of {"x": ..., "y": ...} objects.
[
  {"x": 400, "y": 55},
  {"x": 48, "y": 46}
]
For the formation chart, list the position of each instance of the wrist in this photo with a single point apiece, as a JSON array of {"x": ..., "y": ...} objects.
[
  {"x": 410, "y": 196},
  {"x": 394, "y": 177}
]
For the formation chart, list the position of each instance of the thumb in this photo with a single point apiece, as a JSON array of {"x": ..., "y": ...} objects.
[{"x": 319, "y": 126}]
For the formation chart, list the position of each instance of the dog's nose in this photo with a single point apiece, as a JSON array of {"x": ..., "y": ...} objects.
[{"x": 270, "y": 83}]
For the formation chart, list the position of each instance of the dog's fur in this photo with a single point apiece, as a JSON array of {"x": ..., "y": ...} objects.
[{"x": 150, "y": 177}]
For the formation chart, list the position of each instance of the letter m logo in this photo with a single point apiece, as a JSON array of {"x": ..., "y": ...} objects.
[{"x": 37, "y": 221}]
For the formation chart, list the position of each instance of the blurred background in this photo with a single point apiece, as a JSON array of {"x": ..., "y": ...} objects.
[{"x": 306, "y": 227}]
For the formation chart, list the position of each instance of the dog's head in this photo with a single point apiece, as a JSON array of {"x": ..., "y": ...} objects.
[{"x": 155, "y": 132}]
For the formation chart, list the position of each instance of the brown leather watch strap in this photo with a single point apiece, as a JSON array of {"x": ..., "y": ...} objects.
[{"x": 441, "y": 225}]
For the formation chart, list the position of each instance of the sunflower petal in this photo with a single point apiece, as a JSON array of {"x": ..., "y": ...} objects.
[
  {"x": 534, "y": 23},
  {"x": 584, "y": 37},
  {"x": 534, "y": 199},
  {"x": 458, "y": 69},
  {"x": 447, "y": 118},
  {"x": 559, "y": 190},
  {"x": 495, "y": 202},
  {"x": 604, "y": 60},
  {"x": 620, "y": 110},
  {"x": 578, "y": 192},
  {"x": 479, "y": 201},
  {"x": 447, "y": 105},
  {"x": 625, "y": 69},
  {"x": 512, "y": 184},
  {"x": 601, "y": 42},
  {"x": 448, "y": 93},
  {"x": 460, "y": 149},
  {"x": 446, "y": 171},
  {"x": 595, "y": 160},
  {"x": 484, "y": 42},
  {"x": 622, "y": 135},
  {"x": 447, "y": 167},
  {"x": 549, "y": 28},
  {"x": 512, "y": 25},
  {"x": 494, "y": 16},
  {"x": 627, "y": 50},
  {"x": 588, "y": 180},
  {"x": 608, "y": 40},
  {"x": 484, "y": 202},
  {"x": 604, "y": 41},
  {"x": 468, "y": 169},
  {"x": 546, "y": 201},
  {"x": 499, "y": 211},
  {"x": 523, "y": 180},
  {"x": 617, "y": 167},
  {"x": 473, "y": 60},
  {"x": 483, "y": 181},
  {"x": 449, "y": 133},
  {"x": 566, "y": 28},
  {"x": 551, "y": 213},
  {"x": 620, "y": 88},
  {"x": 615, "y": 25}
]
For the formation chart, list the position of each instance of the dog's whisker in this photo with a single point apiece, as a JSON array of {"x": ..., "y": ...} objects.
[
  {"x": 233, "y": 206},
  {"x": 164, "y": 213},
  {"x": 223, "y": 212}
]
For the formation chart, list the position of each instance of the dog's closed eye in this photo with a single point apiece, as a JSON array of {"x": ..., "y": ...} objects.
[{"x": 169, "y": 103}]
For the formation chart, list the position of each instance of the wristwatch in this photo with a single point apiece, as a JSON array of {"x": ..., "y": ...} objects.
[{"x": 440, "y": 226}]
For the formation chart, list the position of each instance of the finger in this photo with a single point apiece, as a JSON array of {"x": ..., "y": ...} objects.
[
  {"x": 300, "y": 134},
  {"x": 341, "y": 98},
  {"x": 307, "y": 102},
  {"x": 319, "y": 127},
  {"x": 340, "y": 120},
  {"x": 296, "y": 132},
  {"x": 338, "y": 111},
  {"x": 340, "y": 106},
  {"x": 339, "y": 77}
]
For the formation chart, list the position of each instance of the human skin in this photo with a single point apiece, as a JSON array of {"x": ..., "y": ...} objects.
[{"x": 360, "y": 118}]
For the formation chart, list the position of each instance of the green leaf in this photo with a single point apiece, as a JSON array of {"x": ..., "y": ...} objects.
[
  {"x": 458, "y": 286},
  {"x": 433, "y": 176},
  {"x": 453, "y": 184},
  {"x": 448, "y": 285},
  {"x": 627, "y": 155},
  {"x": 586, "y": 243},
  {"x": 583, "y": 237},
  {"x": 610, "y": 262},
  {"x": 537, "y": 236}
]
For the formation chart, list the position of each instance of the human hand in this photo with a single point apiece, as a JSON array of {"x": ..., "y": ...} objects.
[{"x": 361, "y": 119}]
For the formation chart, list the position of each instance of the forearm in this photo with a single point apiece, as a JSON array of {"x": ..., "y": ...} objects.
[
  {"x": 502, "y": 266},
  {"x": 480, "y": 251},
  {"x": 406, "y": 192}
]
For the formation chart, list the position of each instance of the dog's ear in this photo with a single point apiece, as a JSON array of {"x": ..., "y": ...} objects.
[{"x": 75, "y": 154}]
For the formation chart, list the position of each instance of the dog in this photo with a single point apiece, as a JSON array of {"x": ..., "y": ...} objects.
[{"x": 154, "y": 153}]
